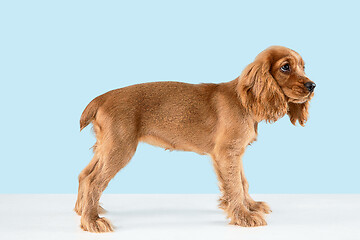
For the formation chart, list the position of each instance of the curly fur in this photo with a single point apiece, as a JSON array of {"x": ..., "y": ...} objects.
[{"x": 260, "y": 94}]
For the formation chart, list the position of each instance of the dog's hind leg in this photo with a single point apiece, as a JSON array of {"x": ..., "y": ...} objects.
[
  {"x": 113, "y": 156},
  {"x": 84, "y": 173}
]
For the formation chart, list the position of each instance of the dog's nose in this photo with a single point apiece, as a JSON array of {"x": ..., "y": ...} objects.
[{"x": 310, "y": 86}]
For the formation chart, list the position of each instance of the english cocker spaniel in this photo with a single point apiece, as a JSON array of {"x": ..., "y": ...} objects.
[{"x": 219, "y": 120}]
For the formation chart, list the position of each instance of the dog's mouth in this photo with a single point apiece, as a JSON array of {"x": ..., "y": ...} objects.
[{"x": 302, "y": 99}]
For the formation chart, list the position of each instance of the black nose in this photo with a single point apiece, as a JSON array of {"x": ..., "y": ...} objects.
[{"x": 310, "y": 86}]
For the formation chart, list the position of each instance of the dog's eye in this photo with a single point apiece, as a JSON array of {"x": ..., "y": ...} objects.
[{"x": 285, "y": 68}]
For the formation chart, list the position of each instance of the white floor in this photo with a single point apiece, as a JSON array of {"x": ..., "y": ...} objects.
[{"x": 180, "y": 217}]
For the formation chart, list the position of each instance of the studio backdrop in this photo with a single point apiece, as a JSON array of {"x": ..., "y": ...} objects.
[{"x": 56, "y": 56}]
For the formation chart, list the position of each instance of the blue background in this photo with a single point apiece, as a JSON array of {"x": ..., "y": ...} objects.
[{"x": 56, "y": 56}]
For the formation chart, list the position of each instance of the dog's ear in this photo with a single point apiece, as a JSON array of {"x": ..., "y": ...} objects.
[
  {"x": 260, "y": 93},
  {"x": 298, "y": 112}
]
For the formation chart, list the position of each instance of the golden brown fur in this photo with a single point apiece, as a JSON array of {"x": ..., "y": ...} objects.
[{"x": 219, "y": 120}]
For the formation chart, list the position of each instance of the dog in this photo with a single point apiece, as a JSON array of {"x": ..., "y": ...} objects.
[{"x": 219, "y": 120}]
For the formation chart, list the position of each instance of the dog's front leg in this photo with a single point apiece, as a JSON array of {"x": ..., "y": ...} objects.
[
  {"x": 228, "y": 167},
  {"x": 250, "y": 203}
]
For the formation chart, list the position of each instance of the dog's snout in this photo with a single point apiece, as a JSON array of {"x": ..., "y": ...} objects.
[{"x": 310, "y": 86}]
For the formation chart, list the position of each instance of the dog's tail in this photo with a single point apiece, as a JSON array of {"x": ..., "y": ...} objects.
[{"x": 90, "y": 111}]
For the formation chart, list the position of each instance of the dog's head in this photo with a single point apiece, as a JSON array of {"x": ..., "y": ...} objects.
[{"x": 276, "y": 84}]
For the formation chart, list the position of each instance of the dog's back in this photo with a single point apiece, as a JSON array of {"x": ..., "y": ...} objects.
[{"x": 171, "y": 115}]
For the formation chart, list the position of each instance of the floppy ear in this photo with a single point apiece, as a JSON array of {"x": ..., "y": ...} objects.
[
  {"x": 260, "y": 93},
  {"x": 298, "y": 112}
]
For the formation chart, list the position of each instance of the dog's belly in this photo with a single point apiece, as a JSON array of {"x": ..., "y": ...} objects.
[{"x": 167, "y": 145}]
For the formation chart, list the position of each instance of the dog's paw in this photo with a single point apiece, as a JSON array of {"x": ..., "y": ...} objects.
[
  {"x": 259, "y": 207},
  {"x": 97, "y": 226},
  {"x": 248, "y": 219}
]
